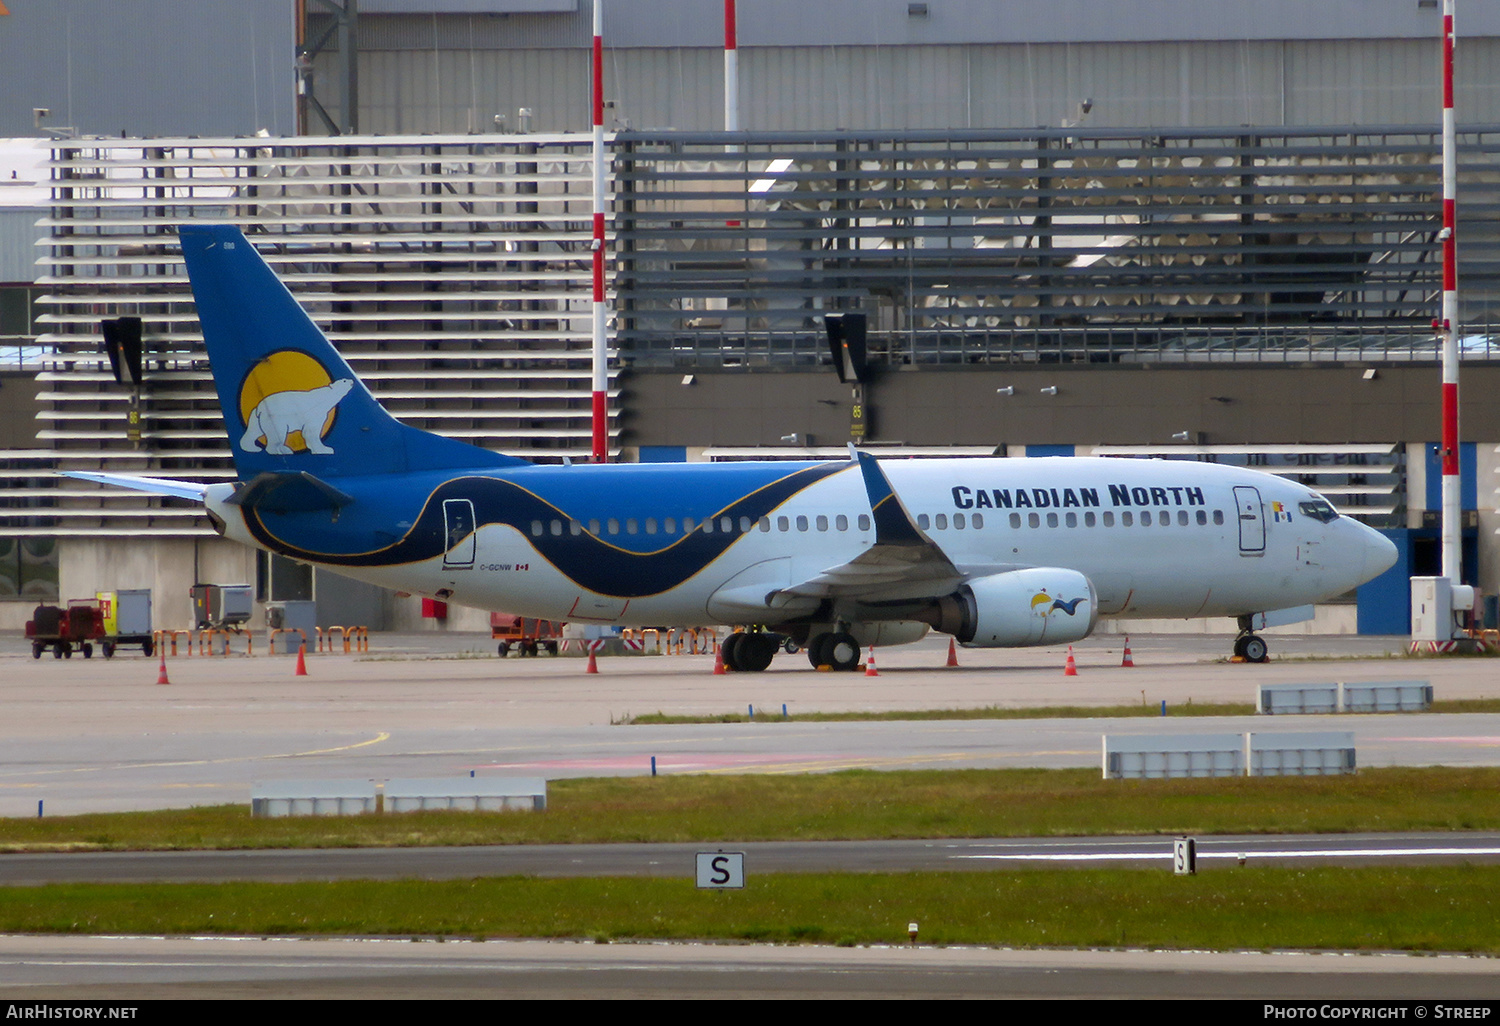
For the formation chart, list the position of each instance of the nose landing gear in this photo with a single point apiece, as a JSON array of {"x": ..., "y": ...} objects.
[{"x": 1249, "y": 646}]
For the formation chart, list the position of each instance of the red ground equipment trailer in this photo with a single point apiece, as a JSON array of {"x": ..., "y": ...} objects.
[
  {"x": 526, "y": 635},
  {"x": 64, "y": 630}
]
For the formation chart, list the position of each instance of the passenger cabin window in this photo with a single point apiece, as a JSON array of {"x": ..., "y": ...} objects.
[
  {"x": 1202, "y": 517},
  {"x": 783, "y": 524},
  {"x": 822, "y": 523},
  {"x": 650, "y": 525},
  {"x": 1051, "y": 519},
  {"x": 1182, "y": 518},
  {"x": 1219, "y": 517},
  {"x": 977, "y": 521},
  {"x": 924, "y": 521},
  {"x": 841, "y": 522},
  {"x": 765, "y": 524},
  {"x": 1015, "y": 520},
  {"x": 1126, "y": 520},
  {"x": 940, "y": 521},
  {"x": 958, "y": 521},
  {"x": 614, "y": 526},
  {"x": 536, "y": 528},
  {"x": 864, "y": 521},
  {"x": 1109, "y": 518},
  {"x": 1071, "y": 519},
  {"x": 802, "y": 523},
  {"x": 726, "y": 524},
  {"x": 1089, "y": 520}
]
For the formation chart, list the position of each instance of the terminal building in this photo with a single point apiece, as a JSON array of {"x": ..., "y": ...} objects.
[{"x": 1172, "y": 230}]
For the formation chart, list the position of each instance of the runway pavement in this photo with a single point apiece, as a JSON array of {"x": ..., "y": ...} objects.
[
  {"x": 95, "y": 735},
  {"x": 144, "y": 968},
  {"x": 86, "y": 735}
]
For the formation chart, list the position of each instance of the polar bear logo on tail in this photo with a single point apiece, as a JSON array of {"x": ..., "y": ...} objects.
[{"x": 282, "y": 414}]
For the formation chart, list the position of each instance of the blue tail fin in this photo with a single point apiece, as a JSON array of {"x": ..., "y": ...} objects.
[{"x": 291, "y": 404}]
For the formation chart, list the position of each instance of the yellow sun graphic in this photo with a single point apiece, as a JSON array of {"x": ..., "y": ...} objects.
[{"x": 287, "y": 370}]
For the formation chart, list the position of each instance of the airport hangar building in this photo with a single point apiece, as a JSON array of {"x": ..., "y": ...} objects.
[{"x": 1173, "y": 229}]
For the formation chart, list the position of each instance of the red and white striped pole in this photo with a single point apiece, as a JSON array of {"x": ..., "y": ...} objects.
[
  {"x": 601, "y": 355},
  {"x": 731, "y": 70},
  {"x": 1448, "y": 328}
]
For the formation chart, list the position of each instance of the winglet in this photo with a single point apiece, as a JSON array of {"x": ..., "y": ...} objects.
[{"x": 893, "y": 524}]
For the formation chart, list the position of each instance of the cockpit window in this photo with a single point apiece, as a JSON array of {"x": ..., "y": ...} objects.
[{"x": 1319, "y": 509}]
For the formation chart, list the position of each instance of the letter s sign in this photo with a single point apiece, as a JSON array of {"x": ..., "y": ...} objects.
[{"x": 721, "y": 870}]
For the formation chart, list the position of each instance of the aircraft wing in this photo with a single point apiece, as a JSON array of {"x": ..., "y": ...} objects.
[
  {"x": 155, "y": 485},
  {"x": 903, "y": 563}
]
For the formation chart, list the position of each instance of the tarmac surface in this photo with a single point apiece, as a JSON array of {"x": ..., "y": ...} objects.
[
  {"x": 83, "y": 735},
  {"x": 96, "y": 735}
]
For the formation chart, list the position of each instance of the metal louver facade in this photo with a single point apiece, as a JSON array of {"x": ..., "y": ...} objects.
[{"x": 453, "y": 273}]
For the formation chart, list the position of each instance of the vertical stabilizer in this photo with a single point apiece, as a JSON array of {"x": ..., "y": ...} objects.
[{"x": 291, "y": 404}]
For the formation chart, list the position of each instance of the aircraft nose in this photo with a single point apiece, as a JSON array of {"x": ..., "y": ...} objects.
[{"x": 1379, "y": 553}]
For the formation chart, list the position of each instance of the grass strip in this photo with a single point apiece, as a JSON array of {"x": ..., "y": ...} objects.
[
  {"x": 1432, "y": 908},
  {"x": 836, "y": 806},
  {"x": 995, "y": 712}
]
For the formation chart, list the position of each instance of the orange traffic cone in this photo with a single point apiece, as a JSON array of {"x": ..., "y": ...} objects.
[
  {"x": 593, "y": 666},
  {"x": 870, "y": 664},
  {"x": 301, "y": 670},
  {"x": 952, "y": 653},
  {"x": 1070, "y": 669},
  {"x": 161, "y": 674},
  {"x": 1127, "y": 661},
  {"x": 719, "y": 668}
]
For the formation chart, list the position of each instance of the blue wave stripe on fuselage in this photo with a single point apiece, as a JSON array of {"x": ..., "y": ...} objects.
[{"x": 604, "y": 565}]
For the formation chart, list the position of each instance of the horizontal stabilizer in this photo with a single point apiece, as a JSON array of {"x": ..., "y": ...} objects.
[
  {"x": 154, "y": 485},
  {"x": 288, "y": 492}
]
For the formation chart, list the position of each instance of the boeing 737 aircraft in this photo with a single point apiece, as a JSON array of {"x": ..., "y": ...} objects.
[{"x": 833, "y": 555}]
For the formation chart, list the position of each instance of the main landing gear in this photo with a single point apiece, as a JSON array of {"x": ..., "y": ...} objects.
[
  {"x": 749, "y": 651},
  {"x": 752, "y": 651},
  {"x": 1250, "y": 646},
  {"x": 835, "y": 649}
]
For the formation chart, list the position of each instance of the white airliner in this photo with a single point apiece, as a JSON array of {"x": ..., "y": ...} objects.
[{"x": 832, "y": 555}]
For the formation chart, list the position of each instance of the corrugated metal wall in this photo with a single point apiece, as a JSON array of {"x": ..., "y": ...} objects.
[
  {"x": 1133, "y": 85},
  {"x": 107, "y": 68}
]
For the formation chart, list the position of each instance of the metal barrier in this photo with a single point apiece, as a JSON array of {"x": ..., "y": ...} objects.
[
  {"x": 164, "y": 636},
  {"x": 645, "y": 635},
  {"x": 1360, "y": 697},
  {"x": 286, "y": 630},
  {"x": 356, "y": 639},
  {"x": 1227, "y": 755},
  {"x": 207, "y": 635}
]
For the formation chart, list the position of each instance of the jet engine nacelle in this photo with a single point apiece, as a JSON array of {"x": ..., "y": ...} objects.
[{"x": 1039, "y": 606}]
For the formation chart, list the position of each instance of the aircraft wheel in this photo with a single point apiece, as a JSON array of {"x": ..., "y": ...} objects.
[
  {"x": 837, "y": 650},
  {"x": 1239, "y": 646},
  {"x": 1255, "y": 650},
  {"x": 729, "y": 651},
  {"x": 755, "y": 652}
]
